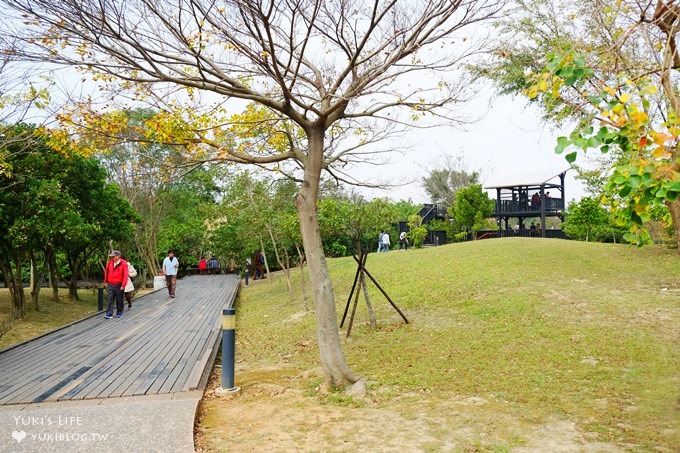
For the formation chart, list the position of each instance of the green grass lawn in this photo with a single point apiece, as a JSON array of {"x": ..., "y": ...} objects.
[{"x": 539, "y": 328}]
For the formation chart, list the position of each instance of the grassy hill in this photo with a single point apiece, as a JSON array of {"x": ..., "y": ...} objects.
[{"x": 511, "y": 343}]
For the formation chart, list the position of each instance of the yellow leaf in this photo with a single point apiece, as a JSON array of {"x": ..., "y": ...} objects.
[
  {"x": 625, "y": 97},
  {"x": 651, "y": 89},
  {"x": 638, "y": 117}
]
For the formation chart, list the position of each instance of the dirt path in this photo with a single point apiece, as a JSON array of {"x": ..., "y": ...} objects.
[{"x": 283, "y": 419}]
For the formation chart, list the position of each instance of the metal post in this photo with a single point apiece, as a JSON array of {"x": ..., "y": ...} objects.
[
  {"x": 100, "y": 299},
  {"x": 228, "y": 343},
  {"x": 247, "y": 277}
]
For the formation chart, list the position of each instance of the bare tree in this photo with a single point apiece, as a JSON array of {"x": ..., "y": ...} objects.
[
  {"x": 441, "y": 184},
  {"x": 320, "y": 64}
]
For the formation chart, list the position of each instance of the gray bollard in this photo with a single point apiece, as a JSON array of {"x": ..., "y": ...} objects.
[
  {"x": 228, "y": 345},
  {"x": 100, "y": 299}
]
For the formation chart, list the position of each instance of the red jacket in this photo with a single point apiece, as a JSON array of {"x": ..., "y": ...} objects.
[
  {"x": 117, "y": 274},
  {"x": 203, "y": 264}
]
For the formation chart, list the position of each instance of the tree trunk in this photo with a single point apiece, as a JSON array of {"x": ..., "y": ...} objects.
[
  {"x": 364, "y": 286},
  {"x": 73, "y": 281},
  {"x": 371, "y": 313},
  {"x": 284, "y": 266},
  {"x": 301, "y": 265},
  {"x": 264, "y": 255},
  {"x": 54, "y": 280},
  {"x": 674, "y": 208},
  {"x": 286, "y": 272},
  {"x": 37, "y": 281},
  {"x": 333, "y": 361},
  {"x": 17, "y": 292}
]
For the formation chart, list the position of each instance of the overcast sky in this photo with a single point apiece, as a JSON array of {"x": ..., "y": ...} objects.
[{"x": 508, "y": 145}]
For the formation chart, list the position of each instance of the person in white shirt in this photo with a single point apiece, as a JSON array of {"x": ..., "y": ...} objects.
[
  {"x": 170, "y": 266},
  {"x": 385, "y": 242}
]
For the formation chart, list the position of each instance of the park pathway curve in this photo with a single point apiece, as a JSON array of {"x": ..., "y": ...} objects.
[{"x": 128, "y": 384}]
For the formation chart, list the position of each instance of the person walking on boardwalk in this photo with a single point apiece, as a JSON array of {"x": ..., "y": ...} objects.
[
  {"x": 170, "y": 266},
  {"x": 130, "y": 287},
  {"x": 115, "y": 279}
]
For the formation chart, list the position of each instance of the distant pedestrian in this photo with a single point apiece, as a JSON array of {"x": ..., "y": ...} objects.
[
  {"x": 403, "y": 240},
  {"x": 130, "y": 287},
  {"x": 115, "y": 279},
  {"x": 385, "y": 242},
  {"x": 258, "y": 261},
  {"x": 213, "y": 265},
  {"x": 170, "y": 267},
  {"x": 202, "y": 266},
  {"x": 380, "y": 242},
  {"x": 515, "y": 228}
]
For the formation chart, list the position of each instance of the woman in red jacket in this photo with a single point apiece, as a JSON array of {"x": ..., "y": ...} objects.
[{"x": 203, "y": 266}]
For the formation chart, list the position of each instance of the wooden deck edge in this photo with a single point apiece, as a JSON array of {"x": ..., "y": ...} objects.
[
  {"x": 198, "y": 379},
  {"x": 212, "y": 353}
]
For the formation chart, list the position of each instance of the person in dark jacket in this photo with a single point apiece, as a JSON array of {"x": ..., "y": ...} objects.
[
  {"x": 258, "y": 262},
  {"x": 213, "y": 265}
]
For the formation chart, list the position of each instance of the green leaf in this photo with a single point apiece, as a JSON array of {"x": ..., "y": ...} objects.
[
  {"x": 620, "y": 179},
  {"x": 571, "y": 157},
  {"x": 593, "y": 142},
  {"x": 562, "y": 143}
]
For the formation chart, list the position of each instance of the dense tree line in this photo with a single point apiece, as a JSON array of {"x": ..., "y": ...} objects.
[{"x": 58, "y": 215}]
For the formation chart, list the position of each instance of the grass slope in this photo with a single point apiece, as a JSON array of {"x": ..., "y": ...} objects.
[{"x": 533, "y": 329}]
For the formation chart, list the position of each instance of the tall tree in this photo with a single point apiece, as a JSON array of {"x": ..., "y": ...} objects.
[
  {"x": 617, "y": 78},
  {"x": 328, "y": 67},
  {"x": 361, "y": 221},
  {"x": 441, "y": 184},
  {"x": 472, "y": 208},
  {"x": 49, "y": 203},
  {"x": 587, "y": 220},
  {"x": 155, "y": 179}
]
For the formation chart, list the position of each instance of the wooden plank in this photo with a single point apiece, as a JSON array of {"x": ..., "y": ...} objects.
[
  {"x": 193, "y": 354},
  {"x": 120, "y": 364},
  {"x": 162, "y": 369},
  {"x": 158, "y": 359},
  {"x": 50, "y": 351},
  {"x": 167, "y": 380},
  {"x": 159, "y": 347}
]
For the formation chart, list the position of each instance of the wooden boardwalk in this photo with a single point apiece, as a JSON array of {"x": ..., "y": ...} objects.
[{"x": 162, "y": 345}]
